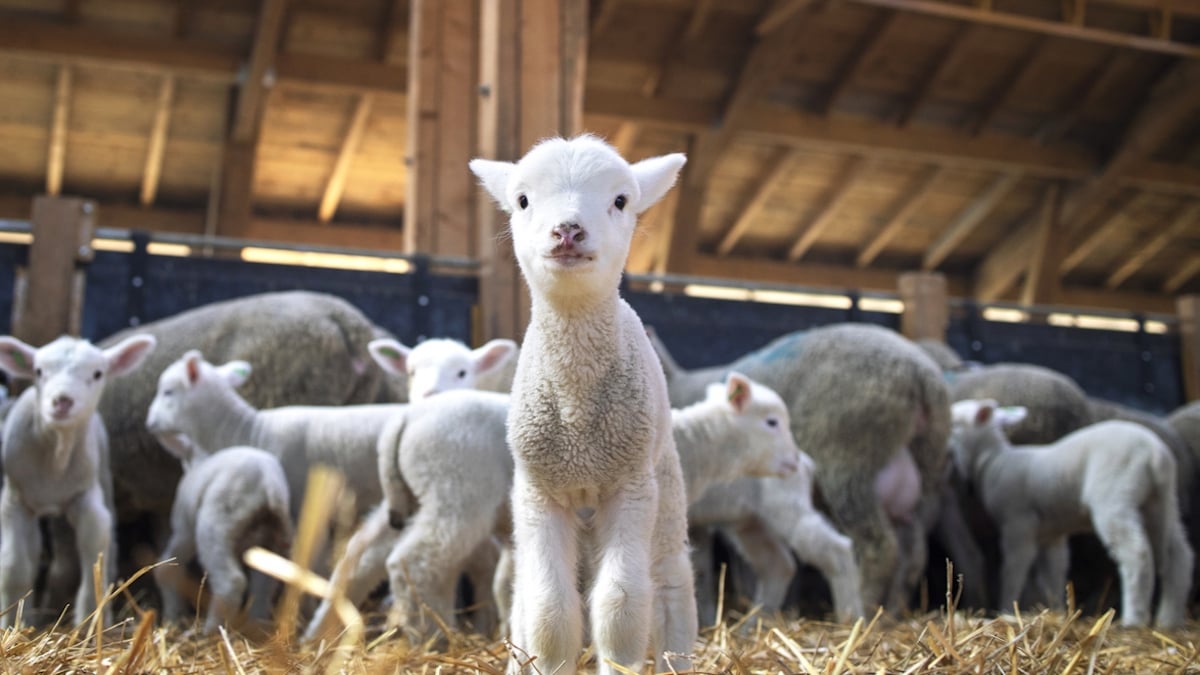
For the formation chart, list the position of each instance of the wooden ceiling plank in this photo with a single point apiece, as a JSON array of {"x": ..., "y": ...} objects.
[
  {"x": 779, "y": 15},
  {"x": 864, "y": 52},
  {"x": 767, "y": 183},
  {"x": 253, "y": 91},
  {"x": 336, "y": 185},
  {"x": 942, "y": 63},
  {"x": 56, "y": 152},
  {"x": 1182, "y": 275},
  {"x": 1181, "y": 7},
  {"x": 1081, "y": 99},
  {"x": 1108, "y": 225},
  {"x": 835, "y": 198},
  {"x": 1188, "y": 216},
  {"x": 1058, "y": 28},
  {"x": 906, "y": 207},
  {"x": 1001, "y": 94},
  {"x": 1041, "y": 282},
  {"x": 1163, "y": 177},
  {"x": 969, "y": 219},
  {"x": 626, "y": 138},
  {"x": 156, "y": 148}
]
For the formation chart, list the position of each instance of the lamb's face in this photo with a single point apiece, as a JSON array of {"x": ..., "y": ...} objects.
[
  {"x": 186, "y": 387},
  {"x": 69, "y": 374},
  {"x": 762, "y": 425},
  {"x": 439, "y": 365},
  {"x": 574, "y": 206}
]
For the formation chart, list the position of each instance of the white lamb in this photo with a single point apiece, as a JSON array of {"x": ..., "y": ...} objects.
[
  {"x": 1114, "y": 478},
  {"x": 55, "y": 452},
  {"x": 225, "y": 503},
  {"x": 590, "y": 419},
  {"x": 442, "y": 364}
]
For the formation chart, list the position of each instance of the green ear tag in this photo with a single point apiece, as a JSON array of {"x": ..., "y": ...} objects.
[
  {"x": 242, "y": 371},
  {"x": 390, "y": 352},
  {"x": 18, "y": 357},
  {"x": 736, "y": 393}
]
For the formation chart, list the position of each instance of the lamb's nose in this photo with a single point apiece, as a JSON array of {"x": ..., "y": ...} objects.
[
  {"x": 569, "y": 233},
  {"x": 62, "y": 403}
]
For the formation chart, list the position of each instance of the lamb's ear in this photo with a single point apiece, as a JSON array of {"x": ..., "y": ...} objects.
[
  {"x": 655, "y": 176},
  {"x": 983, "y": 414},
  {"x": 192, "y": 361},
  {"x": 16, "y": 357},
  {"x": 129, "y": 353},
  {"x": 737, "y": 391},
  {"x": 1011, "y": 415},
  {"x": 492, "y": 355},
  {"x": 235, "y": 372},
  {"x": 390, "y": 355},
  {"x": 493, "y": 175}
]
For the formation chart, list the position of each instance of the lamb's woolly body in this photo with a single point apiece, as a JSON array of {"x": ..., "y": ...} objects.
[
  {"x": 1114, "y": 478},
  {"x": 1185, "y": 466},
  {"x": 56, "y": 460},
  {"x": 308, "y": 349},
  {"x": 856, "y": 393},
  {"x": 225, "y": 503}
]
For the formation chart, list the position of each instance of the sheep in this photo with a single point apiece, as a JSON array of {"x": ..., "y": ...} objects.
[
  {"x": 1114, "y": 478},
  {"x": 56, "y": 459},
  {"x": 226, "y": 502},
  {"x": 857, "y": 393},
  {"x": 589, "y": 422},
  {"x": 739, "y": 429},
  {"x": 443, "y": 364}
]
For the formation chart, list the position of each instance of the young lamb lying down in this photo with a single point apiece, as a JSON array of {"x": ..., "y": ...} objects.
[
  {"x": 590, "y": 419},
  {"x": 56, "y": 462},
  {"x": 226, "y": 503},
  {"x": 1114, "y": 478},
  {"x": 741, "y": 428}
]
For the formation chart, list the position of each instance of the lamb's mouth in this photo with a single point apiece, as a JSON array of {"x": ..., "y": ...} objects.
[{"x": 569, "y": 258}]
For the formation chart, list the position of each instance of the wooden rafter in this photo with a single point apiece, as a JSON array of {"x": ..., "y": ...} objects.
[
  {"x": 1041, "y": 282},
  {"x": 779, "y": 14},
  {"x": 1008, "y": 260},
  {"x": 626, "y": 137},
  {"x": 156, "y": 148},
  {"x": 253, "y": 91},
  {"x": 56, "y": 152},
  {"x": 767, "y": 184},
  {"x": 1188, "y": 216},
  {"x": 1080, "y": 99},
  {"x": 969, "y": 219},
  {"x": 833, "y": 201},
  {"x": 1059, "y": 28},
  {"x": 336, "y": 185},
  {"x": 1111, "y": 222},
  {"x": 72, "y": 11},
  {"x": 603, "y": 15},
  {"x": 904, "y": 210},
  {"x": 862, "y": 55},
  {"x": 1000, "y": 95},
  {"x": 699, "y": 18},
  {"x": 942, "y": 63},
  {"x": 392, "y": 19},
  {"x": 1182, "y": 275}
]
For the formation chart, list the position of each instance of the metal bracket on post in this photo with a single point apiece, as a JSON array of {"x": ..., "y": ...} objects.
[
  {"x": 139, "y": 263},
  {"x": 423, "y": 289}
]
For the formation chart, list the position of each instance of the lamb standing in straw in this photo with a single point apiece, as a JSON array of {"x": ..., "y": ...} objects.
[{"x": 590, "y": 422}]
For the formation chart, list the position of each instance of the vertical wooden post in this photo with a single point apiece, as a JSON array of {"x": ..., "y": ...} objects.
[
  {"x": 1041, "y": 281},
  {"x": 439, "y": 209},
  {"x": 50, "y": 301},
  {"x": 1188, "y": 307},
  {"x": 926, "y": 307},
  {"x": 532, "y": 57}
]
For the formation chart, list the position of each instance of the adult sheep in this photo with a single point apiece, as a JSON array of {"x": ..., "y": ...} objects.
[
  {"x": 857, "y": 393},
  {"x": 307, "y": 349}
]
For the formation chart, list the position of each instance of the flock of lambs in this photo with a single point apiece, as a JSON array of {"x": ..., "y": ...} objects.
[{"x": 565, "y": 483}]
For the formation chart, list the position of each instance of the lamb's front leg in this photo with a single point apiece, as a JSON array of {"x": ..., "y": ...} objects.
[
  {"x": 169, "y": 576},
  {"x": 93, "y": 525},
  {"x": 622, "y": 593},
  {"x": 547, "y": 614},
  {"x": 1018, "y": 546},
  {"x": 20, "y": 547}
]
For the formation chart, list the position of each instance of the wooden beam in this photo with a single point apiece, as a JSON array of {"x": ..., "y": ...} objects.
[
  {"x": 1004, "y": 265},
  {"x": 684, "y": 243},
  {"x": 699, "y": 18},
  {"x": 767, "y": 183},
  {"x": 235, "y": 192},
  {"x": 1003, "y": 19},
  {"x": 603, "y": 15},
  {"x": 1095, "y": 235},
  {"x": 835, "y": 198},
  {"x": 49, "y": 303},
  {"x": 1000, "y": 95},
  {"x": 942, "y": 63},
  {"x": 56, "y": 152},
  {"x": 1080, "y": 99},
  {"x": 863, "y": 53},
  {"x": 779, "y": 14},
  {"x": 1186, "y": 218},
  {"x": 252, "y": 92},
  {"x": 1041, "y": 282},
  {"x": 1182, "y": 275},
  {"x": 969, "y": 219},
  {"x": 1162, "y": 178},
  {"x": 351, "y": 141},
  {"x": 338, "y": 75},
  {"x": 156, "y": 148},
  {"x": 906, "y": 206},
  {"x": 814, "y": 275},
  {"x": 1188, "y": 310},
  {"x": 926, "y": 305},
  {"x": 626, "y": 137}
]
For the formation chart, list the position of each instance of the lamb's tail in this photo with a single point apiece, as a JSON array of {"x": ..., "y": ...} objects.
[{"x": 396, "y": 493}]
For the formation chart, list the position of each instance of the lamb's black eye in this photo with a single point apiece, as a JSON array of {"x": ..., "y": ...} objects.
[
  {"x": 620, "y": 202},
  {"x": 97, "y": 375},
  {"x": 462, "y": 374},
  {"x": 772, "y": 422},
  {"x": 523, "y": 201}
]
